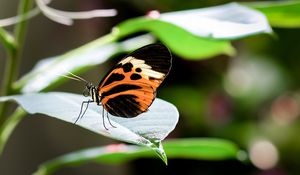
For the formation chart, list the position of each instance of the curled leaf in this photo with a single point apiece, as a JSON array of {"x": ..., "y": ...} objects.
[
  {"x": 65, "y": 17},
  {"x": 229, "y": 21},
  {"x": 200, "y": 33},
  {"x": 16, "y": 19}
]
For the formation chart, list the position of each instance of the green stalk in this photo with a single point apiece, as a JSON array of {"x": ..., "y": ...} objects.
[
  {"x": 20, "y": 28},
  {"x": 9, "y": 126},
  {"x": 11, "y": 72},
  {"x": 13, "y": 59}
]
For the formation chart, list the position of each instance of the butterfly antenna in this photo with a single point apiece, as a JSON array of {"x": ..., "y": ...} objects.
[
  {"x": 66, "y": 76},
  {"x": 78, "y": 77}
]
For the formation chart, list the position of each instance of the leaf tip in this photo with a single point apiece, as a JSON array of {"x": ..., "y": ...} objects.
[
  {"x": 159, "y": 150},
  {"x": 230, "y": 50}
]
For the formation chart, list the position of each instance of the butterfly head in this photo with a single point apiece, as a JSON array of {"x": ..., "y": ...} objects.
[{"x": 90, "y": 90}]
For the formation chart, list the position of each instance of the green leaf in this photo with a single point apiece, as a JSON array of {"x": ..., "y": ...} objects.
[
  {"x": 200, "y": 33},
  {"x": 193, "y": 148},
  {"x": 204, "y": 149},
  {"x": 180, "y": 41},
  {"x": 47, "y": 72},
  {"x": 148, "y": 129},
  {"x": 280, "y": 14}
]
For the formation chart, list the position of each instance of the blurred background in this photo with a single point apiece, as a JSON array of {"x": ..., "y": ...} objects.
[{"x": 251, "y": 99}]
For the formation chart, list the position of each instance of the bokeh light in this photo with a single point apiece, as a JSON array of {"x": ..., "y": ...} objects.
[
  {"x": 153, "y": 14},
  {"x": 263, "y": 154},
  {"x": 284, "y": 110},
  {"x": 253, "y": 79}
]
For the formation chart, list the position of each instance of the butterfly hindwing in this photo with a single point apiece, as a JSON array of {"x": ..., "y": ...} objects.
[
  {"x": 130, "y": 102},
  {"x": 130, "y": 87}
]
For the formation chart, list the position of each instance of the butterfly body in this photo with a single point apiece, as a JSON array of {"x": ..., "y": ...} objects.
[{"x": 129, "y": 88}]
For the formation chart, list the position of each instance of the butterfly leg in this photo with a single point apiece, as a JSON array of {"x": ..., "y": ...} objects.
[
  {"x": 87, "y": 106},
  {"x": 109, "y": 120},
  {"x": 80, "y": 116},
  {"x": 103, "y": 119}
]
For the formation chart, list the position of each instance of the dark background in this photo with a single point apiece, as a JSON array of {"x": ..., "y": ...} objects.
[{"x": 209, "y": 103}]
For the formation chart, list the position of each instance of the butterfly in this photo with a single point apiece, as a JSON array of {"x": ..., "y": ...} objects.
[{"x": 129, "y": 88}]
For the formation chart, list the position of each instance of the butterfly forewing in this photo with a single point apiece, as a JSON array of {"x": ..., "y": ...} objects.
[{"x": 130, "y": 87}]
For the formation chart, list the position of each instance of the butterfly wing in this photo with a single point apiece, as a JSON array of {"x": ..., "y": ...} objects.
[{"x": 130, "y": 87}]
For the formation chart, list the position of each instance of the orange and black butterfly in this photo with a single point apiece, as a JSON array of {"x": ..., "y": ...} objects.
[{"x": 129, "y": 88}]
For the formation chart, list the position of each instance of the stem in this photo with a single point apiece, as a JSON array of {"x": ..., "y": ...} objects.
[
  {"x": 13, "y": 58},
  {"x": 9, "y": 126},
  {"x": 20, "y": 28}
]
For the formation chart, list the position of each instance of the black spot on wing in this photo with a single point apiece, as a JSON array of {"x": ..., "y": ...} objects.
[
  {"x": 135, "y": 77},
  {"x": 157, "y": 56},
  {"x": 120, "y": 88},
  {"x": 124, "y": 106},
  {"x": 138, "y": 69},
  {"x": 127, "y": 67},
  {"x": 114, "y": 77}
]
